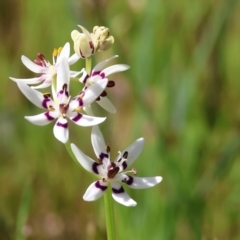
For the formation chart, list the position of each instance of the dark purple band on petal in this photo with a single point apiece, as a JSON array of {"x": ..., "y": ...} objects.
[
  {"x": 103, "y": 155},
  {"x": 63, "y": 91},
  {"x": 77, "y": 117},
  {"x": 85, "y": 79},
  {"x": 128, "y": 181},
  {"x": 94, "y": 167},
  {"x": 124, "y": 165},
  {"x": 44, "y": 102},
  {"x": 102, "y": 75},
  {"x": 98, "y": 185},
  {"x": 118, "y": 191},
  {"x": 64, "y": 125},
  {"x": 80, "y": 102},
  {"x": 95, "y": 73},
  {"x": 50, "y": 118}
]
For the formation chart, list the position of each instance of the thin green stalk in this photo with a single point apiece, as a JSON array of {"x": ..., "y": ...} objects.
[
  {"x": 109, "y": 213},
  {"x": 89, "y": 65}
]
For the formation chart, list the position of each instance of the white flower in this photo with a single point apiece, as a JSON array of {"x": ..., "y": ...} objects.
[
  {"x": 112, "y": 172},
  {"x": 85, "y": 43},
  {"x": 99, "y": 72},
  {"x": 61, "y": 107},
  {"x": 46, "y": 69}
]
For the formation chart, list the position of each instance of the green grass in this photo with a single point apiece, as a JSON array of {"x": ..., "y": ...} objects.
[{"x": 181, "y": 94}]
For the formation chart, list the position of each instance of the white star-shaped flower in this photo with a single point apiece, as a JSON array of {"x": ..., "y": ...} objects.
[
  {"x": 113, "y": 172},
  {"x": 46, "y": 69},
  {"x": 60, "y": 107},
  {"x": 100, "y": 72}
]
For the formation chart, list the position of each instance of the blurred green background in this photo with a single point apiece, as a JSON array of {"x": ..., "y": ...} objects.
[{"x": 181, "y": 94}]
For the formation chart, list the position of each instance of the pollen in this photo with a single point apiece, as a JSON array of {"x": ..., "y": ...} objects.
[
  {"x": 59, "y": 50},
  {"x": 55, "y": 52}
]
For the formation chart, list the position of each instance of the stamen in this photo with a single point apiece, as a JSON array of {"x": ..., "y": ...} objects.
[
  {"x": 107, "y": 148},
  {"x": 55, "y": 52},
  {"x": 41, "y": 56},
  {"x": 64, "y": 86},
  {"x": 59, "y": 50},
  {"x": 46, "y": 95},
  {"x": 133, "y": 171},
  {"x": 51, "y": 108},
  {"x": 125, "y": 155},
  {"x": 110, "y": 84},
  {"x": 81, "y": 94}
]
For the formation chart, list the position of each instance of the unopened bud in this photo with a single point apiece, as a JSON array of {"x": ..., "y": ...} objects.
[
  {"x": 104, "y": 39},
  {"x": 84, "y": 43}
]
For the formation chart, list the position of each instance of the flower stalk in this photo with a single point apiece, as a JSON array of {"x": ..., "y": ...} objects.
[{"x": 109, "y": 213}]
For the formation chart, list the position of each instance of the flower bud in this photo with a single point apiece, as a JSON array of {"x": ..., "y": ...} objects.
[
  {"x": 104, "y": 39},
  {"x": 84, "y": 43}
]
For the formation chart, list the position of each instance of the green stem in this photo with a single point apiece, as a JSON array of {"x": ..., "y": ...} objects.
[
  {"x": 68, "y": 147},
  {"x": 89, "y": 65},
  {"x": 109, "y": 215}
]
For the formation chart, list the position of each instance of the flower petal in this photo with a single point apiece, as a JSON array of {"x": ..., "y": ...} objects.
[
  {"x": 99, "y": 144},
  {"x": 74, "y": 58},
  {"x": 115, "y": 68},
  {"x": 106, "y": 104},
  {"x": 65, "y": 53},
  {"x": 140, "y": 182},
  {"x": 42, "y": 119},
  {"x": 95, "y": 191},
  {"x": 85, "y": 120},
  {"x": 28, "y": 80},
  {"x": 60, "y": 130},
  {"x": 121, "y": 196},
  {"x": 63, "y": 74},
  {"x": 45, "y": 84},
  {"x": 133, "y": 152},
  {"x": 86, "y": 162},
  {"x": 94, "y": 91},
  {"x": 32, "y": 95},
  {"x": 100, "y": 66},
  {"x": 33, "y": 66}
]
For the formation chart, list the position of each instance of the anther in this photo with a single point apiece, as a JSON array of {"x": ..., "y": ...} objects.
[
  {"x": 110, "y": 84},
  {"x": 64, "y": 86},
  {"x": 55, "y": 52},
  {"x": 133, "y": 171},
  {"x": 125, "y": 155},
  {"x": 81, "y": 94},
  {"x": 107, "y": 148},
  {"x": 41, "y": 56},
  {"x": 59, "y": 50},
  {"x": 46, "y": 95}
]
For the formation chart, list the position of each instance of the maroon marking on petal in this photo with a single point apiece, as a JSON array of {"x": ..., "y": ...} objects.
[
  {"x": 98, "y": 99},
  {"x": 128, "y": 181},
  {"x": 102, "y": 156},
  {"x": 85, "y": 79},
  {"x": 110, "y": 84},
  {"x": 44, "y": 102},
  {"x": 64, "y": 125},
  {"x": 103, "y": 94},
  {"x": 98, "y": 185},
  {"x": 118, "y": 191},
  {"x": 80, "y": 102},
  {"x": 102, "y": 74},
  {"x": 94, "y": 167},
  {"x": 91, "y": 46},
  {"x": 95, "y": 73},
  {"x": 77, "y": 118},
  {"x": 124, "y": 165},
  {"x": 50, "y": 118}
]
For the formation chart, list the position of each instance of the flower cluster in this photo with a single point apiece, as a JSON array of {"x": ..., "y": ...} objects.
[{"x": 59, "y": 106}]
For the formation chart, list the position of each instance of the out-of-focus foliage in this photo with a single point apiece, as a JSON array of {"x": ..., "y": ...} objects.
[{"x": 181, "y": 94}]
